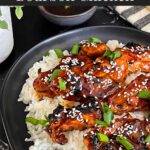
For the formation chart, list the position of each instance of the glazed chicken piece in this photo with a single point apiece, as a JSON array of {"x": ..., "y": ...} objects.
[
  {"x": 126, "y": 100},
  {"x": 42, "y": 87},
  {"x": 134, "y": 130},
  {"x": 133, "y": 59},
  {"x": 93, "y": 50},
  {"x": 139, "y": 57},
  {"x": 116, "y": 70},
  {"x": 82, "y": 84},
  {"x": 80, "y": 118}
]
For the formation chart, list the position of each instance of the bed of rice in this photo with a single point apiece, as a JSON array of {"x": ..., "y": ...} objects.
[{"x": 38, "y": 109}]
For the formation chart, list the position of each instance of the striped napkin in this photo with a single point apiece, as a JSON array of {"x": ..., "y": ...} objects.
[{"x": 139, "y": 16}]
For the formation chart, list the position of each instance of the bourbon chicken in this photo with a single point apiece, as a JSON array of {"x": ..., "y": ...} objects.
[
  {"x": 82, "y": 80},
  {"x": 77, "y": 118},
  {"x": 93, "y": 50},
  {"x": 87, "y": 77},
  {"x": 131, "y": 130},
  {"x": 126, "y": 99},
  {"x": 96, "y": 77}
]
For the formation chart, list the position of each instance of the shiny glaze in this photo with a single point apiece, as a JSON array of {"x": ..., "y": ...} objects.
[
  {"x": 91, "y": 79},
  {"x": 133, "y": 129}
]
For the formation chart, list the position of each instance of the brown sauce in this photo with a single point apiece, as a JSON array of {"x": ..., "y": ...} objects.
[{"x": 67, "y": 10}]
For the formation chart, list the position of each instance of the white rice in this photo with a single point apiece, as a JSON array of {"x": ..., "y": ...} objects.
[
  {"x": 38, "y": 109},
  {"x": 113, "y": 44}
]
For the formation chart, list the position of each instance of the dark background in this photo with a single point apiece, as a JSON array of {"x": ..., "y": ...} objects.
[
  {"x": 33, "y": 28},
  {"x": 75, "y": 2}
]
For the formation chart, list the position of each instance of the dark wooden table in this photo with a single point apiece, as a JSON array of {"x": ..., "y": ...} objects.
[{"x": 34, "y": 28}]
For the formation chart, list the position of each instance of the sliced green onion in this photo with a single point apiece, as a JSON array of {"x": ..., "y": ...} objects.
[
  {"x": 102, "y": 123},
  {"x": 107, "y": 114},
  {"x": 62, "y": 84},
  {"x": 46, "y": 53},
  {"x": 111, "y": 55},
  {"x": 46, "y": 118},
  {"x": 122, "y": 140},
  {"x": 59, "y": 53},
  {"x": 94, "y": 40},
  {"x": 103, "y": 137},
  {"x": 35, "y": 121},
  {"x": 75, "y": 49},
  {"x": 55, "y": 73},
  {"x": 147, "y": 140},
  {"x": 107, "y": 53},
  {"x": 116, "y": 54},
  {"x": 144, "y": 94}
]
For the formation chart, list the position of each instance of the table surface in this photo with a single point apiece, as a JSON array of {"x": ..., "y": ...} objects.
[{"x": 33, "y": 28}]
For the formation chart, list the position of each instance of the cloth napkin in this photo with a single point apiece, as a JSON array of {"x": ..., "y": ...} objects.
[{"x": 139, "y": 16}]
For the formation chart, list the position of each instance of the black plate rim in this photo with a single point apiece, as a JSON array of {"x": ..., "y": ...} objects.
[{"x": 2, "y": 112}]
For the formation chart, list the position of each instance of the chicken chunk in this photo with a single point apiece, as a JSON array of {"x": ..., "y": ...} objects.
[
  {"x": 93, "y": 50},
  {"x": 133, "y": 130},
  {"x": 82, "y": 83},
  {"x": 77, "y": 118},
  {"x": 126, "y": 100}
]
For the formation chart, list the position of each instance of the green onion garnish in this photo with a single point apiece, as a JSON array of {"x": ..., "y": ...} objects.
[
  {"x": 111, "y": 55},
  {"x": 147, "y": 140},
  {"x": 122, "y": 140},
  {"x": 107, "y": 53},
  {"x": 75, "y": 49},
  {"x": 46, "y": 53},
  {"x": 102, "y": 123},
  {"x": 35, "y": 121},
  {"x": 117, "y": 54},
  {"x": 107, "y": 113},
  {"x": 59, "y": 52},
  {"x": 144, "y": 94},
  {"x": 54, "y": 74},
  {"x": 103, "y": 137},
  {"x": 94, "y": 40},
  {"x": 62, "y": 84}
]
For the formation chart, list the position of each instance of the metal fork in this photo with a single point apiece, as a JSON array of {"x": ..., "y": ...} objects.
[{"x": 3, "y": 145}]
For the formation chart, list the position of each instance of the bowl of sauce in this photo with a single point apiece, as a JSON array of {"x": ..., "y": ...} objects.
[{"x": 67, "y": 15}]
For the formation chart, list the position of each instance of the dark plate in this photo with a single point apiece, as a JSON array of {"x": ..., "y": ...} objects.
[{"x": 13, "y": 112}]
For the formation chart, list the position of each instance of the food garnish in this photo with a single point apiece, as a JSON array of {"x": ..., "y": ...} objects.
[
  {"x": 111, "y": 55},
  {"x": 102, "y": 123},
  {"x": 46, "y": 53},
  {"x": 122, "y": 140},
  {"x": 55, "y": 73},
  {"x": 103, "y": 137},
  {"x": 144, "y": 94},
  {"x": 147, "y": 140},
  {"x": 62, "y": 84},
  {"x": 107, "y": 113},
  {"x": 59, "y": 53},
  {"x": 35, "y": 121},
  {"x": 94, "y": 40},
  {"x": 75, "y": 49}
]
